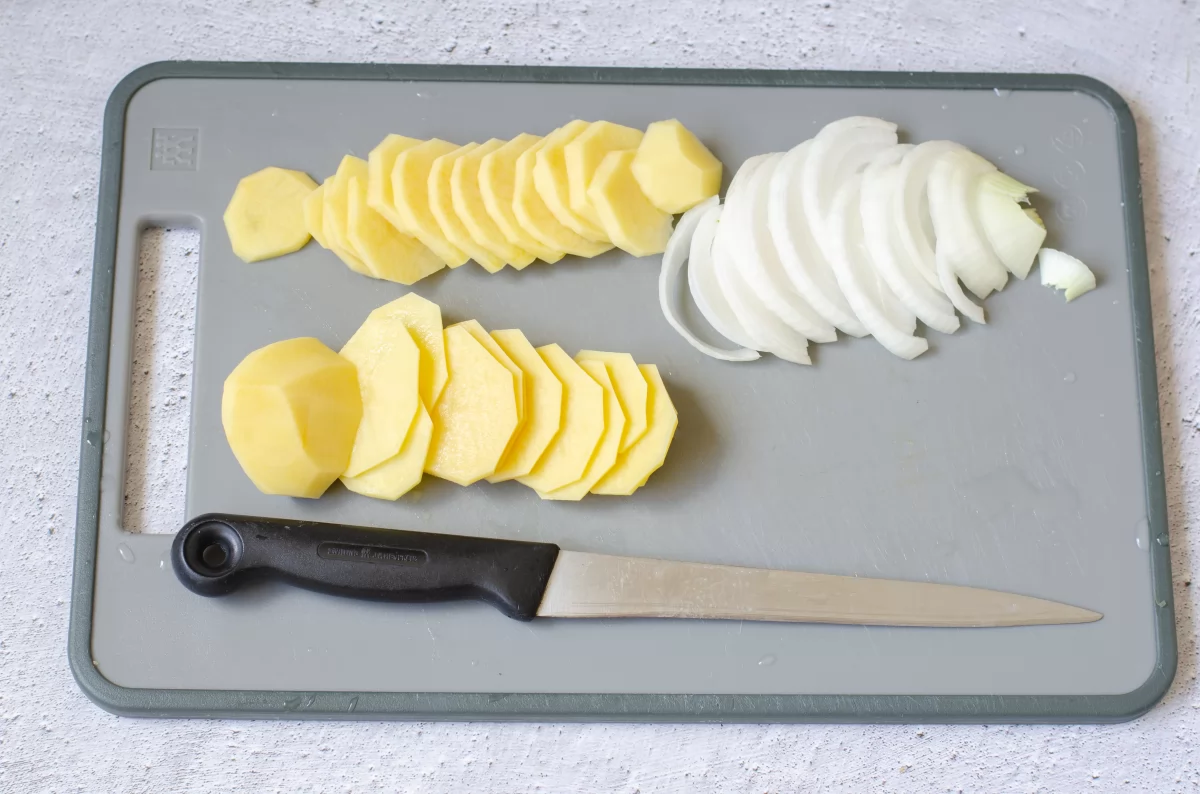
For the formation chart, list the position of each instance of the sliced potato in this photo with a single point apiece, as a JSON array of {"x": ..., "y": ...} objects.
[
  {"x": 497, "y": 183},
  {"x": 632, "y": 391},
  {"x": 336, "y": 213},
  {"x": 675, "y": 170},
  {"x": 482, "y": 337},
  {"x": 550, "y": 179},
  {"x": 410, "y": 197},
  {"x": 567, "y": 457},
  {"x": 389, "y": 363},
  {"x": 542, "y": 407},
  {"x": 583, "y": 155},
  {"x": 609, "y": 446},
  {"x": 388, "y": 253},
  {"x": 631, "y": 221},
  {"x": 290, "y": 411},
  {"x": 470, "y": 209},
  {"x": 314, "y": 214},
  {"x": 634, "y": 466},
  {"x": 265, "y": 216},
  {"x": 380, "y": 163},
  {"x": 476, "y": 416},
  {"x": 441, "y": 204},
  {"x": 537, "y": 220},
  {"x": 423, "y": 319},
  {"x": 402, "y": 472}
]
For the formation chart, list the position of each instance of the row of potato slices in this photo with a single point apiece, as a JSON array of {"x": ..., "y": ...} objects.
[
  {"x": 414, "y": 207},
  {"x": 405, "y": 397}
]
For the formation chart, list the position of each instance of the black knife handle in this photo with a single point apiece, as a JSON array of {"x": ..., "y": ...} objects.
[{"x": 215, "y": 554}]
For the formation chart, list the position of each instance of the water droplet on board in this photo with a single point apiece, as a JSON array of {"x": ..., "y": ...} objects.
[
  {"x": 945, "y": 107},
  {"x": 1019, "y": 150},
  {"x": 107, "y": 436},
  {"x": 92, "y": 438},
  {"x": 1002, "y": 92},
  {"x": 1161, "y": 602},
  {"x": 1163, "y": 540},
  {"x": 125, "y": 552},
  {"x": 767, "y": 660},
  {"x": 1069, "y": 377},
  {"x": 1142, "y": 538}
]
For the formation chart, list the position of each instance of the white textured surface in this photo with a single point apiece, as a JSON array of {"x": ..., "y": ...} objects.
[{"x": 58, "y": 62}]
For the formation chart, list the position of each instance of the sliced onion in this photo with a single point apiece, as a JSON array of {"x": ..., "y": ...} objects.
[
  {"x": 911, "y": 207},
  {"x": 750, "y": 243},
  {"x": 677, "y": 252},
  {"x": 949, "y": 281},
  {"x": 706, "y": 290},
  {"x": 891, "y": 260},
  {"x": 770, "y": 334},
  {"x": 1063, "y": 271},
  {"x": 840, "y": 150},
  {"x": 951, "y": 203},
  {"x": 1014, "y": 232},
  {"x": 870, "y": 298},
  {"x": 802, "y": 260}
]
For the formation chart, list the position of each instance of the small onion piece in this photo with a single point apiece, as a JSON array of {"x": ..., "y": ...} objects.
[
  {"x": 1014, "y": 232},
  {"x": 750, "y": 243},
  {"x": 802, "y": 260},
  {"x": 911, "y": 206},
  {"x": 706, "y": 290},
  {"x": 891, "y": 260},
  {"x": 677, "y": 252},
  {"x": 868, "y": 295},
  {"x": 951, "y": 207},
  {"x": 1063, "y": 271}
]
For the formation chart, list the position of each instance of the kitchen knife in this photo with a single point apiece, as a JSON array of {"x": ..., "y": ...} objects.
[{"x": 215, "y": 554}]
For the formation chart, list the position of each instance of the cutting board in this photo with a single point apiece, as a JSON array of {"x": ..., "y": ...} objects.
[{"x": 1023, "y": 455}]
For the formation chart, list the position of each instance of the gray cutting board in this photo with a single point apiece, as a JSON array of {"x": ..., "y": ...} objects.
[{"x": 1010, "y": 456}]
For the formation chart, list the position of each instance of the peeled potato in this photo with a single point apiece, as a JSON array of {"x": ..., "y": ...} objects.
[
  {"x": 632, "y": 391},
  {"x": 497, "y": 187},
  {"x": 467, "y": 198},
  {"x": 290, "y": 412},
  {"x": 609, "y": 446},
  {"x": 636, "y": 464},
  {"x": 314, "y": 215},
  {"x": 568, "y": 455},
  {"x": 336, "y": 211},
  {"x": 441, "y": 204},
  {"x": 402, "y": 472},
  {"x": 476, "y": 416},
  {"x": 423, "y": 319},
  {"x": 380, "y": 162},
  {"x": 535, "y": 217},
  {"x": 542, "y": 405},
  {"x": 410, "y": 197},
  {"x": 675, "y": 170},
  {"x": 265, "y": 217},
  {"x": 583, "y": 155},
  {"x": 387, "y": 252},
  {"x": 552, "y": 183},
  {"x": 631, "y": 221}
]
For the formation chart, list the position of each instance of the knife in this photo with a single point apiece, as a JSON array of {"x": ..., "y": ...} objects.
[{"x": 215, "y": 554}]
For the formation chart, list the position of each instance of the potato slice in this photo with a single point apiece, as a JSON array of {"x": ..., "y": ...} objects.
[
  {"x": 550, "y": 179},
  {"x": 567, "y": 457},
  {"x": 610, "y": 442},
  {"x": 476, "y": 417},
  {"x": 336, "y": 212},
  {"x": 634, "y": 466},
  {"x": 423, "y": 319},
  {"x": 632, "y": 392},
  {"x": 410, "y": 197},
  {"x": 290, "y": 412},
  {"x": 470, "y": 209},
  {"x": 441, "y": 204},
  {"x": 265, "y": 216},
  {"x": 389, "y": 363},
  {"x": 633, "y": 223},
  {"x": 675, "y": 170},
  {"x": 536, "y": 219},
  {"x": 402, "y": 472},
  {"x": 482, "y": 337},
  {"x": 497, "y": 181},
  {"x": 583, "y": 155},
  {"x": 314, "y": 212},
  {"x": 542, "y": 405},
  {"x": 380, "y": 163},
  {"x": 388, "y": 253}
]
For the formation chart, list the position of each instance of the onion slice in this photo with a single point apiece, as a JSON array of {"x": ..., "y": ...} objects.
[
  {"x": 951, "y": 202},
  {"x": 677, "y": 252},
  {"x": 802, "y": 260},
  {"x": 1063, "y": 271},
  {"x": 750, "y": 243},
  {"x": 1014, "y": 232},
  {"x": 880, "y": 183},
  {"x": 706, "y": 290},
  {"x": 868, "y": 295},
  {"x": 911, "y": 206}
]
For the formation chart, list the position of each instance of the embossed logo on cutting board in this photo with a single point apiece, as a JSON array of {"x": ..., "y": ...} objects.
[{"x": 175, "y": 149}]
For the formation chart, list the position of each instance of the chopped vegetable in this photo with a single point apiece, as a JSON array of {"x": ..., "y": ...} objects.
[{"x": 1065, "y": 272}]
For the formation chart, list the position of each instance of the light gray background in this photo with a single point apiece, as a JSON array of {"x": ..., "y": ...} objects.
[{"x": 62, "y": 61}]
